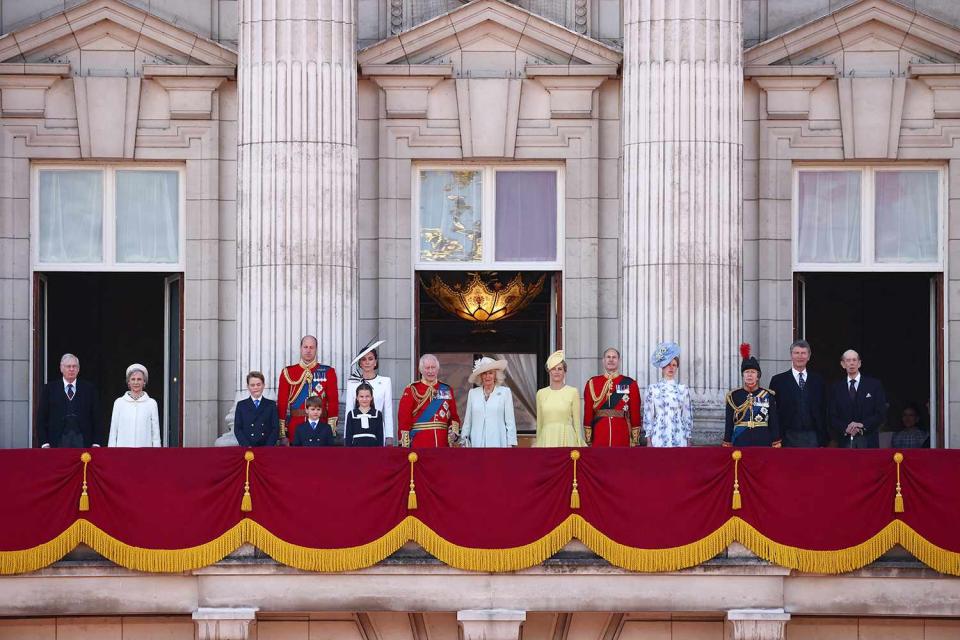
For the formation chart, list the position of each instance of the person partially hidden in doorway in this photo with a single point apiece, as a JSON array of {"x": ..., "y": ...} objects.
[
  {"x": 801, "y": 397},
  {"x": 858, "y": 405},
  {"x": 910, "y": 435},
  {"x": 315, "y": 431},
  {"x": 68, "y": 409}
]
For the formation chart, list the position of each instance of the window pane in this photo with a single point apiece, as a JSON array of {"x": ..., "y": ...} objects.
[
  {"x": 148, "y": 220},
  {"x": 451, "y": 206},
  {"x": 907, "y": 221},
  {"x": 71, "y": 216},
  {"x": 526, "y": 216},
  {"x": 829, "y": 216}
]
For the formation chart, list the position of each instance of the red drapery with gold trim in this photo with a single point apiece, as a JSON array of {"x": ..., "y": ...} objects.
[{"x": 484, "y": 510}]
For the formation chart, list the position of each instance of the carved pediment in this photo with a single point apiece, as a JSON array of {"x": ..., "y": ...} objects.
[
  {"x": 489, "y": 38},
  {"x": 866, "y": 38},
  {"x": 104, "y": 36}
]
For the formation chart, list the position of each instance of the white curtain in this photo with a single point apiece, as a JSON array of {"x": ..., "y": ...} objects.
[
  {"x": 522, "y": 381},
  {"x": 526, "y": 215},
  {"x": 71, "y": 216},
  {"x": 907, "y": 216},
  {"x": 829, "y": 216},
  {"x": 451, "y": 207},
  {"x": 148, "y": 216}
]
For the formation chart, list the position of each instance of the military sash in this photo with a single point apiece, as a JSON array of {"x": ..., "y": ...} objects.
[
  {"x": 430, "y": 404},
  {"x": 611, "y": 395},
  {"x": 310, "y": 383}
]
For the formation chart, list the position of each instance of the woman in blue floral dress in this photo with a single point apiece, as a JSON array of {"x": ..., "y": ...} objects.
[{"x": 667, "y": 410}]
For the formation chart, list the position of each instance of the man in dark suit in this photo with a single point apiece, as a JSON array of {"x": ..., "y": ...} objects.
[
  {"x": 68, "y": 409},
  {"x": 858, "y": 406},
  {"x": 801, "y": 401},
  {"x": 255, "y": 420}
]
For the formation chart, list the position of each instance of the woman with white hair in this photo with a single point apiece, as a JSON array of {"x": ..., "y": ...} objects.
[
  {"x": 489, "y": 420},
  {"x": 135, "y": 421}
]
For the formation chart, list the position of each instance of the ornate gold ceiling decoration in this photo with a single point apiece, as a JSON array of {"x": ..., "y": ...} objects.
[{"x": 483, "y": 299}]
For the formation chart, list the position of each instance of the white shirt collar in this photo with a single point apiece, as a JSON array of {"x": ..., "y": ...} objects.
[
  {"x": 796, "y": 375},
  {"x": 65, "y": 383},
  {"x": 857, "y": 380}
]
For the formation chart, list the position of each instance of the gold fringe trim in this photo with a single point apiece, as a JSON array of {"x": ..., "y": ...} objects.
[{"x": 478, "y": 559}]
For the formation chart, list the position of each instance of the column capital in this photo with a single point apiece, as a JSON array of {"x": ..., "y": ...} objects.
[
  {"x": 491, "y": 624},
  {"x": 758, "y": 624},
  {"x": 224, "y": 623}
]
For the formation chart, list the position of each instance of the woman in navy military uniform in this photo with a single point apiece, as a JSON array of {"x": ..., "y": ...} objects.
[
  {"x": 364, "y": 425},
  {"x": 751, "y": 411}
]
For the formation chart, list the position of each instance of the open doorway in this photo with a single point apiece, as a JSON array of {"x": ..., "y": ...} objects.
[
  {"x": 893, "y": 321},
  {"x": 111, "y": 320}
]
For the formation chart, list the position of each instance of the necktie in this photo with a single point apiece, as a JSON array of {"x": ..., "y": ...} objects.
[
  {"x": 803, "y": 382},
  {"x": 69, "y": 392},
  {"x": 256, "y": 403},
  {"x": 313, "y": 425},
  {"x": 853, "y": 389}
]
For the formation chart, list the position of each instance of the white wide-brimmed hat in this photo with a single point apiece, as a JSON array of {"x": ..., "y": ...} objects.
[{"x": 485, "y": 364}]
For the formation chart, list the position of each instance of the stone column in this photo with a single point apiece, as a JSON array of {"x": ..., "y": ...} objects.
[
  {"x": 758, "y": 624},
  {"x": 297, "y": 208},
  {"x": 681, "y": 220},
  {"x": 491, "y": 624},
  {"x": 224, "y": 623}
]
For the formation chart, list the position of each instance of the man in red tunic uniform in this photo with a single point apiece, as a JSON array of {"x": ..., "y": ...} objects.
[
  {"x": 611, "y": 407},
  {"x": 302, "y": 380},
  {"x": 428, "y": 411}
]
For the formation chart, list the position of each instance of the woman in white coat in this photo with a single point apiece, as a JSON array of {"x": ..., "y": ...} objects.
[
  {"x": 135, "y": 421},
  {"x": 488, "y": 420},
  {"x": 366, "y": 368}
]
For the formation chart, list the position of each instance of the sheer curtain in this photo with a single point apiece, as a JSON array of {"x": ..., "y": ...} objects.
[
  {"x": 522, "y": 381},
  {"x": 829, "y": 216},
  {"x": 907, "y": 220},
  {"x": 148, "y": 216},
  {"x": 71, "y": 216},
  {"x": 451, "y": 207},
  {"x": 526, "y": 215}
]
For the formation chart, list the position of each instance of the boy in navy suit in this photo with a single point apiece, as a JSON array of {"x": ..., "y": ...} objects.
[
  {"x": 255, "y": 420},
  {"x": 315, "y": 431}
]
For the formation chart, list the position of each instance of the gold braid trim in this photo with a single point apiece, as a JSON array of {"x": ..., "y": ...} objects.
[
  {"x": 478, "y": 559},
  {"x": 739, "y": 410},
  {"x": 605, "y": 392},
  {"x": 427, "y": 396}
]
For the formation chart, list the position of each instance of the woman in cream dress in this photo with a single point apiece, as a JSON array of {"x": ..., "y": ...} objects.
[
  {"x": 135, "y": 421},
  {"x": 558, "y": 408}
]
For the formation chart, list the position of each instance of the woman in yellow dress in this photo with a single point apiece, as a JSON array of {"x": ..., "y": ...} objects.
[{"x": 558, "y": 408}]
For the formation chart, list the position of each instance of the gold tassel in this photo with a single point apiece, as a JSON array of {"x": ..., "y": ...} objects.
[
  {"x": 85, "y": 458},
  {"x": 246, "y": 504},
  {"x": 736, "y": 455},
  {"x": 898, "y": 499},
  {"x": 412, "y": 496},
  {"x": 575, "y": 494}
]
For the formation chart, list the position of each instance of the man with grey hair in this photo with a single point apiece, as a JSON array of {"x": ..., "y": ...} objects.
[
  {"x": 858, "y": 406},
  {"x": 69, "y": 409},
  {"x": 428, "y": 411},
  {"x": 801, "y": 401}
]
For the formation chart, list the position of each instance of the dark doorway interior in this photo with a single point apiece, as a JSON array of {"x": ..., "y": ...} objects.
[
  {"x": 109, "y": 320},
  {"x": 885, "y": 317}
]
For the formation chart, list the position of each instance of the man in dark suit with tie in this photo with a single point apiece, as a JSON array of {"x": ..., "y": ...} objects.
[
  {"x": 858, "y": 406},
  {"x": 801, "y": 401},
  {"x": 255, "y": 420},
  {"x": 68, "y": 409}
]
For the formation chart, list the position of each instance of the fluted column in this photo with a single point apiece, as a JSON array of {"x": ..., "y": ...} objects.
[
  {"x": 681, "y": 221},
  {"x": 297, "y": 231}
]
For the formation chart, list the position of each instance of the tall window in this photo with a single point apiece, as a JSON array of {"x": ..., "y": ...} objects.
[
  {"x": 108, "y": 217},
  {"x": 857, "y": 218},
  {"x": 504, "y": 216}
]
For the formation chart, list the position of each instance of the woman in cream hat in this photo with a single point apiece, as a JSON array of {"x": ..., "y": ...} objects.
[
  {"x": 667, "y": 410},
  {"x": 558, "y": 408},
  {"x": 489, "y": 420},
  {"x": 135, "y": 421}
]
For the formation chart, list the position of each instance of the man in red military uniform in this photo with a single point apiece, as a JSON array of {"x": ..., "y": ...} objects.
[
  {"x": 611, "y": 407},
  {"x": 428, "y": 411},
  {"x": 302, "y": 380}
]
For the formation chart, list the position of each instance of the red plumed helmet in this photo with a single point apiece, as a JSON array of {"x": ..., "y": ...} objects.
[{"x": 744, "y": 350}]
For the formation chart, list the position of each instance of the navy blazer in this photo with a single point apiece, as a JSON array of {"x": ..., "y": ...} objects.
[
  {"x": 256, "y": 427},
  {"x": 52, "y": 413},
  {"x": 869, "y": 407},
  {"x": 322, "y": 436},
  {"x": 787, "y": 391}
]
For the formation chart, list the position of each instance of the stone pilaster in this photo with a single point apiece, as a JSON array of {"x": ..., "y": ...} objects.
[
  {"x": 224, "y": 623},
  {"x": 681, "y": 220},
  {"x": 758, "y": 624},
  {"x": 297, "y": 208},
  {"x": 491, "y": 624}
]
